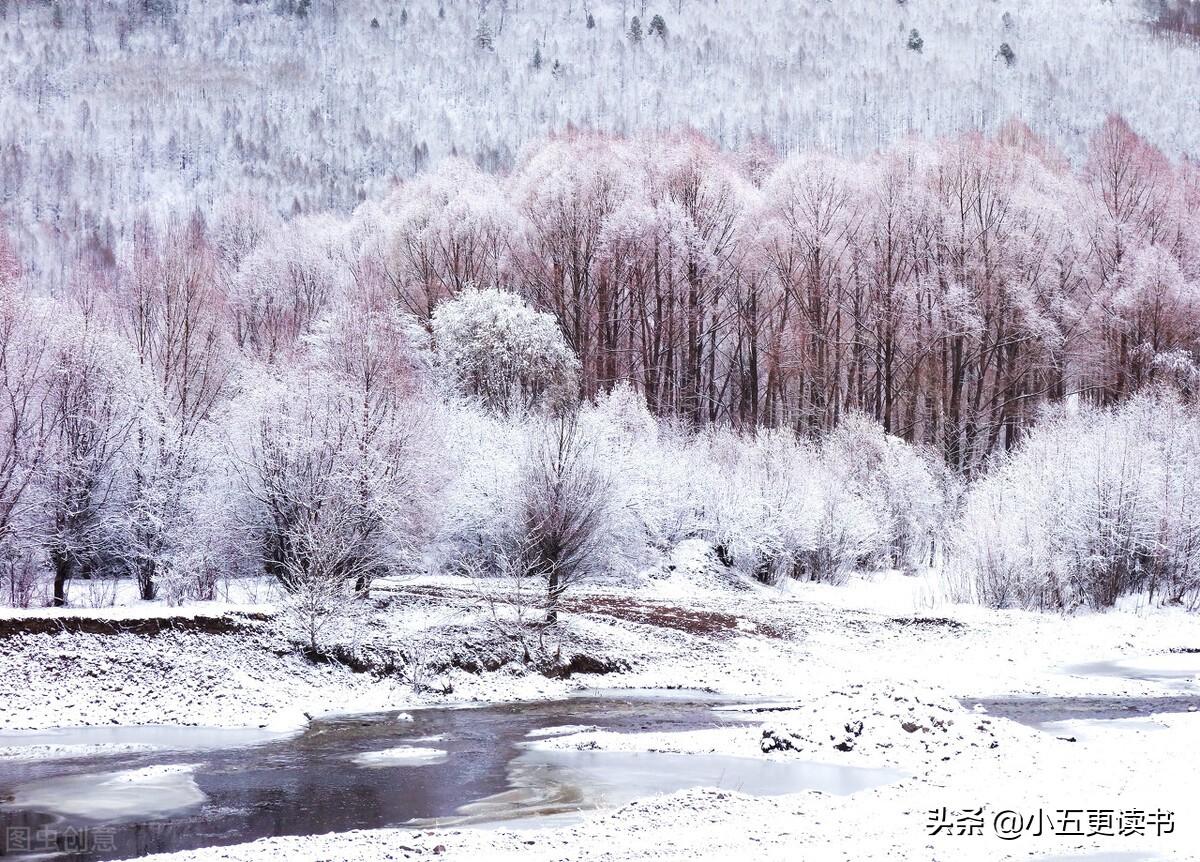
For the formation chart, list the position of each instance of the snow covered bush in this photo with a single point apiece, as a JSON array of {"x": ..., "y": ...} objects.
[
  {"x": 774, "y": 511},
  {"x": 902, "y": 486},
  {"x": 654, "y": 472},
  {"x": 492, "y": 346},
  {"x": 1092, "y": 506},
  {"x": 477, "y": 505},
  {"x": 331, "y": 457},
  {"x": 777, "y": 507}
]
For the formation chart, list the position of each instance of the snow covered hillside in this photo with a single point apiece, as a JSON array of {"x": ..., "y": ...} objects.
[{"x": 111, "y": 107}]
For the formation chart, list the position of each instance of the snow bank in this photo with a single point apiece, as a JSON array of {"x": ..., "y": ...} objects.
[{"x": 64, "y": 752}]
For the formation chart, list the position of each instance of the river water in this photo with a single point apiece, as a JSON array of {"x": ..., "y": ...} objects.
[{"x": 200, "y": 787}]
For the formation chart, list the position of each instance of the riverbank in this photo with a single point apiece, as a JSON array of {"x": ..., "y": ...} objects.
[{"x": 868, "y": 675}]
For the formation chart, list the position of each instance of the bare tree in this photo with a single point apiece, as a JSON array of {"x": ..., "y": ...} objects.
[
  {"x": 566, "y": 501},
  {"x": 323, "y": 567}
]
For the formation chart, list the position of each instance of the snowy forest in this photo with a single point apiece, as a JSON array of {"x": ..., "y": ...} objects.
[
  {"x": 607, "y": 430},
  {"x": 113, "y": 109},
  {"x": 955, "y": 352}
]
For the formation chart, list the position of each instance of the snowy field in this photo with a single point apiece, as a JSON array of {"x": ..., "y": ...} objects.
[{"x": 870, "y": 674}]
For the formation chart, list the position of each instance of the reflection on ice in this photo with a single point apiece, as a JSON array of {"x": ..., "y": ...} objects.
[
  {"x": 106, "y": 796},
  {"x": 548, "y": 783},
  {"x": 1182, "y": 667}
]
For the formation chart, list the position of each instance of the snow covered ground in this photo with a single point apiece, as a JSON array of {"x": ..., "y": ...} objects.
[{"x": 878, "y": 674}]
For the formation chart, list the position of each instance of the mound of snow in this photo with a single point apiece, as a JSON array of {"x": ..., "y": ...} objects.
[
  {"x": 889, "y": 724},
  {"x": 693, "y": 565}
]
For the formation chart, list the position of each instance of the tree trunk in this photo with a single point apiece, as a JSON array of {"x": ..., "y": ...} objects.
[{"x": 62, "y": 577}]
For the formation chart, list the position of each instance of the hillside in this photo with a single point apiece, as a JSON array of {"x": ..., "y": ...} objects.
[{"x": 111, "y": 107}]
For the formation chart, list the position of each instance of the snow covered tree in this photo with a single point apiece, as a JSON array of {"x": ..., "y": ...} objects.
[
  {"x": 27, "y": 422},
  {"x": 635, "y": 30},
  {"x": 175, "y": 318},
  {"x": 484, "y": 38},
  {"x": 566, "y": 515},
  {"x": 284, "y": 286},
  {"x": 322, "y": 494},
  {"x": 329, "y": 456},
  {"x": 91, "y": 395},
  {"x": 492, "y": 346},
  {"x": 447, "y": 230}
]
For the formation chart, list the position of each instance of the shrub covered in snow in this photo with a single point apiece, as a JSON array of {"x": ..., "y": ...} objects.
[
  {"x": 494, "y": 347},
  {"x": 779, "y": 507},
  {"x": 905, "y": 488},
  {"x": 1092, "y": 506}
]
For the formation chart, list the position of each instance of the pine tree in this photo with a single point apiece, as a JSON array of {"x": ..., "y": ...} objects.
[
  {"x": 915, "y": 42},
  {"x": 1007, "y": 54},
  {"x": 483, "y": 36},
  {"x": 536, "y": 62},
  {"x": 635, "y": 30},
  {"x": 591, "y": 22},
  {"x": 658, "y": 27}
]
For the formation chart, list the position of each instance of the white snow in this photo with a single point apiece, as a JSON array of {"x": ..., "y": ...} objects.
[
  {"x": 401, "y": 756},
  {"x": 811, "y": 665},
  {"x": 560, "y": 730}
]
